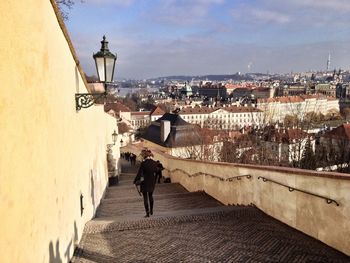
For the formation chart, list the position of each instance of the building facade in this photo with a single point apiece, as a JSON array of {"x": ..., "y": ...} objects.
[
  {"x": 276, "y": 109},
  {"x": 226, "y": 118}
]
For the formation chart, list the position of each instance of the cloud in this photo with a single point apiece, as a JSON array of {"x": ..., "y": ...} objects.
[
  {"x": 110, "y": 2},
  {"x": 195, "y": 55},
  {"x": 295, "y": 13},
  {"x": 199, "y": 37},
  {"x": 269, "y": 16},
  {"x": 342, "y": 6},
  {"x": 183, "y": 12}
]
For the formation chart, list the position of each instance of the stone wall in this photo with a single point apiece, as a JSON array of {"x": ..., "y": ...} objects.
[
  {"x": 312, "y": 215},
  {"x": 50, "y": 154}
]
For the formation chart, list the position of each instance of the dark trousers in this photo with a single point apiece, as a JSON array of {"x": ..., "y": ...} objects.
[
  {"x": 159, "y": 176},
  {"x": 148, "y": 197}
]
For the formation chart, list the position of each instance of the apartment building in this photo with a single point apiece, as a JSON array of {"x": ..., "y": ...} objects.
[
  {"x": 226, "y": 117},
  {"x": 276, "y": 109}
]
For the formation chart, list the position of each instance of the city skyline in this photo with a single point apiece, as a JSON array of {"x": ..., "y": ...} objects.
[{"x": 199, "y": 37}]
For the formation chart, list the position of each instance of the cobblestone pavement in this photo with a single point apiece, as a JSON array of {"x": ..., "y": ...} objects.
[{"x": 190, "y": 227}]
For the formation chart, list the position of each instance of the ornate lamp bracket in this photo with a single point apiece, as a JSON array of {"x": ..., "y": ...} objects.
[{"x": 86, "y": 100}]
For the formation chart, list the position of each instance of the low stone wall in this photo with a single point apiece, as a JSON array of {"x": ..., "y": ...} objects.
[{"x": 310, "y": 214}]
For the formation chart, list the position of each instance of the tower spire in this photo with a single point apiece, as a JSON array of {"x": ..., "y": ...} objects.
[{"x": 329, "y": 61}]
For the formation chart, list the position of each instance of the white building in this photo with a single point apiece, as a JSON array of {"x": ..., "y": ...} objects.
[
  {"x": 276, "y": 109},
  {"x": 288, "y": 145},
  {"x": 227, "y": 117}
]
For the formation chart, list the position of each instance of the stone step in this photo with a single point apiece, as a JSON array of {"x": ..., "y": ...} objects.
[
  {"x": 121, "y": 200},
  {"x": 118, "y": 209},
  {"x": 125, "y": 182},
  {"x": 135, "y": 221},
  {"x": 130, "y": 190},
  {"x": 129, "y": 169},
  {"x": 127, "y": 175}
]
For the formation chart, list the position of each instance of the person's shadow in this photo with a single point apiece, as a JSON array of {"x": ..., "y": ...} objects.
[{"x": 55, "y": 257}]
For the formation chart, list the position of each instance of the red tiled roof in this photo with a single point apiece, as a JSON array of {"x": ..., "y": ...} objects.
[
  {"x": 140, "y": 113},
  {"x": 289, "y": 99},
  {"x": 157, "y": 111},
  {"x": 116, "y": 107},
  {"x": 286, "y": 135},
  {"x": 207, "y": 110},
  {"x": 294, "y": 99},
  {"x": 341, "y": 132},
  {"x": 241, "y": 109}
]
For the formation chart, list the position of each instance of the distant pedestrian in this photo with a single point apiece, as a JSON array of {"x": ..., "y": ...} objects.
[
  {"x": 132, "y": 159},
  {"x": 147, "y": 170},
  {"x": 160, "y": 168}
]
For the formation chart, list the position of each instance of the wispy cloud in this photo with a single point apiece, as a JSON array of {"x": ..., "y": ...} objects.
[
  {"x": 342, "y": 6},
  {"x": 183, "y": 12},
  {"x": 167, "y": 37},
  {"x": 270, "y": 16},
  {"x": 298, "y": 13},
  {"x": 110, "y": 2},
  {"x": 253, "y": 15}
]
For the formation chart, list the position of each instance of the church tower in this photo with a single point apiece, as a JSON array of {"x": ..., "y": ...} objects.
[{"x": 329, "y": 61}]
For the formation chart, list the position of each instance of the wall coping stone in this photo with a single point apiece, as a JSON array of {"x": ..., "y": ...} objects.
[{"x": 286, "y": 170}]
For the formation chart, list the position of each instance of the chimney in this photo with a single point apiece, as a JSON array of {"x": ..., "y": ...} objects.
[{"x": 164, "y": 130}]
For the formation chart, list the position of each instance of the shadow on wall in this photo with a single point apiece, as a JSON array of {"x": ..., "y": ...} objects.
[
  {"x": 54, "y": 252},
  {"x": 92, "y": 190}
]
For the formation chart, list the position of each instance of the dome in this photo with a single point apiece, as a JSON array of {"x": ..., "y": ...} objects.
[{"x": 187, "y": 89}]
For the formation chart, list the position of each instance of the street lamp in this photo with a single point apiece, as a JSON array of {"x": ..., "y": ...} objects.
[
  {"x": 105, "y": 65},
  {"x": 114, "y": 139}
]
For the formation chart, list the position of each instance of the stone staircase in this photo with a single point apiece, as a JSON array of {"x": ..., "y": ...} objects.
[
  {"x": 190, "y": 227},
  {"x": 123, "y": 206}
]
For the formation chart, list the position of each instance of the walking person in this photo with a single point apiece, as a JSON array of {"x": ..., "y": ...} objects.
[
  {"x": 160, "y": 168},
  {"x": 133, "y": 159},
  {"x": 147, "y": 170}
]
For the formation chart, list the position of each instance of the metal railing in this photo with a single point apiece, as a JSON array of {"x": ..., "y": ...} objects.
[
  {"x": 291, "y": 189},
  {"x": 248, "y": 176},
  {"x": 230, "y": 179}
]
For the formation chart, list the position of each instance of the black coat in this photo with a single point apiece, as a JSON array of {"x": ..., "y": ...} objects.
[
  {"x": 160, "y": 168},
  {"x": 148, "y": 169}
]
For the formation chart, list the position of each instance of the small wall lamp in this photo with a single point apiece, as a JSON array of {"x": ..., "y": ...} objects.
[
  {"x": 114, "y": 139},
  {"x": 105, "y": 64}
]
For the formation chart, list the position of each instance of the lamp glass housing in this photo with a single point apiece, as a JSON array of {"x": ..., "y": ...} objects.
[
  {"x": 99, "y": 61},
  {"x": 110, "y": 63},
  {"x": 105, "y": 62},
  {"x": 114, "y": 137}
]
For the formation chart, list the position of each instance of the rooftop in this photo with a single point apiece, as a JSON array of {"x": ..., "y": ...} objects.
[
  {"x": 341, "y": 132},
  {"x": 295, "y": 99},
  {"x": 116, "y": 107},
  {"x": 157, "y": 111},
  {"x": 207, "y": 110},
  {"x": 181, "y": 133}
]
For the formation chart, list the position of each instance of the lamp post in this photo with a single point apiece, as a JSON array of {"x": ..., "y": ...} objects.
[
  {"x": 114, "y": 139},
  {"x": 105, "y": 65}
]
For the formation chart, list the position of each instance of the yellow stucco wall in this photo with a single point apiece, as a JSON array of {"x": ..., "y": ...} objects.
[
  {"x": 309, "y": 214},
  {"x": 49, "y": 153}
]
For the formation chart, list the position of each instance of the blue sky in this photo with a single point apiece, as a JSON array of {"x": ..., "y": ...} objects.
[{"x": 156, "y": 38}]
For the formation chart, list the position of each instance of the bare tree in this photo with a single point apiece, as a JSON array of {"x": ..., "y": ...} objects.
[
  {"x": 202, "y": 144},
  {"x": 64, "y": 6}
]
